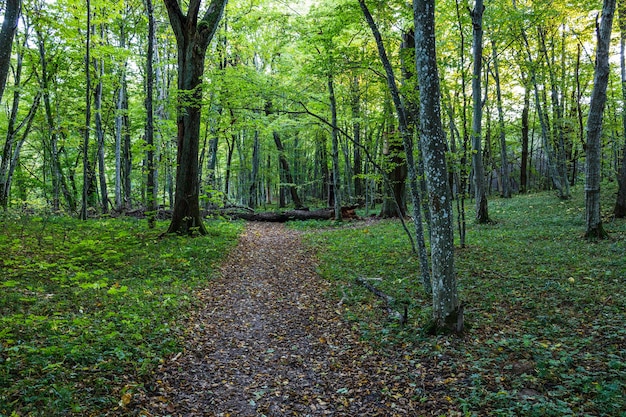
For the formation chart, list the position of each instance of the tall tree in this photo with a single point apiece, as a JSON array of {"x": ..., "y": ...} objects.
[
  {"x": 504, "y": 160},
  {"x": 193, "y": 36},
  {"x": 594, "y": 124},
  {"x": 98, "y": 64},
  {"x": 150, "y": 182},
  {"x": 620, "y": 202},
  {"x": 7, "y": 33},
  {"x": 447, "y": 311},
  {"x": 480, "y": 191},
  {"x": 86, "y": 168},
  {"x": 406, "y": 135},
  {"x": 335, "y": 148}
]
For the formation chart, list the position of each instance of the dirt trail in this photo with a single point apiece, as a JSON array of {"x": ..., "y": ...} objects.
[{"x": 269, "y": 342}]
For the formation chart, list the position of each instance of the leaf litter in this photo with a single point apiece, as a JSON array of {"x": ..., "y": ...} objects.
[{"x": 268, "y": 341}]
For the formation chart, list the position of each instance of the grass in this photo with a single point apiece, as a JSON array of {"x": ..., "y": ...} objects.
[
  {"x": 545, "y": 309},
  {"x": 88, "y": 309}
]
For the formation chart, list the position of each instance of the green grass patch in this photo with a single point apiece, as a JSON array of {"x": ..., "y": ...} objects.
[
  {"x": 545, "y": 309},
  {"x": 88, "y": 309}
]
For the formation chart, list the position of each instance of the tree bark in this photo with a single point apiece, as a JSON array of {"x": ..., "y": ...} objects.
[
  {"x": 193, "y": 36},
  {"x": 253, "y": 193},
  {"x": 149, "y": 128},
  {"x": 335, "y": 148},
  {"x": 99, "y": 69},
  {"x": 504, "y": 159},
  {"x": 545, "y": 135},
  {"x": 406, "y": 135},
  {"x": 7, "y": 33},
  {"x": 447, "y": 312},
  {"x": 525, "y": 131},
  {"x": 620, "y": 202},
  {"x": 480, "y": 192},
  {"x": 86, "y": 167},
  {"x": 558, "y": 122},
  {"x": 594, "y": 125},
  {"x": 401, "y": 165},
  {"x": 290, "y": 215}
]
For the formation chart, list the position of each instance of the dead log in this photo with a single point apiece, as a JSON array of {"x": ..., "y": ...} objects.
[
  {"x": 285, "y": 216},
  {"x": 389, "y": 301}
]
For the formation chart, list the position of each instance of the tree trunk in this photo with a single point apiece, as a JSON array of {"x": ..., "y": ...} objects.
[
  {"x": 357, "y": 162},
  {"x": 335, "y": 148},
  {"x": 86, "y": 167},
  {"x": 193, "y": 36},
  {"x": 504, "y": 159},
  {"x": 53, "y": 136},
  {"x": 447, "y": 312},
  {"x": 119, "y": 124},
  {"x": 401, "y": 165},
  {"x": 559, "y": 141},
  {"x": 620, "y": 202},
  {"x": 594, "y": 125},
  {"x": 405, "y": 121},
  {"x": 524, "y": 132},
  {"x": 150, "y": 182},
  {"x": 480, "y": 192},
  {"x": 12, "y": 10},
  {"x": 99, "y": 68},
  {"x": 545, "y": 135},
  {"x": 287, "y": 177},
  {"x": 253, "y": 193},
  {"x": 12, "y": 146}
]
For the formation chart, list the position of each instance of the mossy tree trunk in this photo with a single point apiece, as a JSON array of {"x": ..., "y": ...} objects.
[{"x": 447, "y": 311}]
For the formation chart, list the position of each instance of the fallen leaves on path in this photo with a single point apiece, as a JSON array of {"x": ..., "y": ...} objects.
[{"x": 269, "y": 342}]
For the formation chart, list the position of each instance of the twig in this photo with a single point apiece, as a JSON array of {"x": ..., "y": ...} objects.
[{"x": 389, "y": 300}]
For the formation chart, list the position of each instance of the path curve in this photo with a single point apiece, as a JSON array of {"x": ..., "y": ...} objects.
[{"x": 270, "y": 342}]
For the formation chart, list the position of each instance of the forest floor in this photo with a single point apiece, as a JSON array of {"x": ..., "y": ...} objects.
[{"x": 270, "y": 341}]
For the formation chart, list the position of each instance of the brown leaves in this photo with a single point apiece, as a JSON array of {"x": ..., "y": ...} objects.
[{"x": 268, "y": 341}]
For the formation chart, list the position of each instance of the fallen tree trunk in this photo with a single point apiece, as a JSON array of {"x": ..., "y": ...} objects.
[{"x": 285, "y": 216}]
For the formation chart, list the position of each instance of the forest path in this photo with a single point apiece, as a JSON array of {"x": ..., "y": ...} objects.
[{"x": 268, "y": 342}]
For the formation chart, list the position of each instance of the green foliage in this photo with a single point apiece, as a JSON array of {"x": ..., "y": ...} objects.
[
  {"x": 544, "y": 309},
  {"x": 88, "y": 309}
]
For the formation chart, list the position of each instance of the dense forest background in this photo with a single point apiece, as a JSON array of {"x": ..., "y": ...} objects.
[{"x": 266, "y": 104}]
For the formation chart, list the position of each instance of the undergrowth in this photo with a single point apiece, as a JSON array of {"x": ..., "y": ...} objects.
[
  {"x": 88, "y": 309},
  {"x": 545, "y": 310}
]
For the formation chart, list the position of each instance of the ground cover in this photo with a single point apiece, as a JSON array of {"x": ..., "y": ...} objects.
[
  {"x": 545, "y": 310},
  {"x": 88, "y": 309}
]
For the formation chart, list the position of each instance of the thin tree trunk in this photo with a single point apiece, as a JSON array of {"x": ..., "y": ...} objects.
[
  {"x": 253, "y": 194},
  {"x": 504, "y": 159},
  {"x": 480, "y": 192},
  {"x": 545, "y": 135},
  {"x": 524, "y": 133},
  {"x": 335, "y": 148},
  {"x": 151, "y": 189},
  {"x": 99, "y": 68},
  {"x": 595, "y": 229},
  {"x": 560, "y": 154},
  {"x": 402, "y": 165},
  {"x": 357, "y": 163},
  {"x": 119, "y": 124},
  {"x": 86, "y": 167},
  {"x": 406, "y": 135},
  {"x": 12, "y": 146},
  {"x": 620, "y": 202}
]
